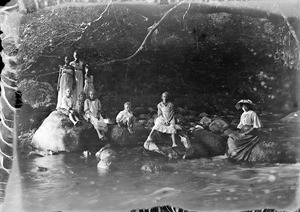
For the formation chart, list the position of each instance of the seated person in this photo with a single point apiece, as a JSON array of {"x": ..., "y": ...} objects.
[
  {"x": 66, "y": 107},
  {"x": 125, "y": 118},
  {"x": 165, "y": 121},
  {"x": 79, "y": 106},
  {"x": 92, "y": 110}
]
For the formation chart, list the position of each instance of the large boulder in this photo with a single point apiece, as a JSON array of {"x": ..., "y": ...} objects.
[
  {"x": 218, "y": 125},
  {"x": 120, "y": 135},
  {"x": 207, "y": 142},
  {"x": 57, "y": 133},
  {"x": 292, "y": 117}
]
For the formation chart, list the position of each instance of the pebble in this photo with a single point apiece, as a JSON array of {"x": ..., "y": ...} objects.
[
  {"x": 228, "y": 198},
  {"x": 272, "y": 178},
  {"x": 214, "y": 175},
  {"x": 249, "y": 189},
  {"x": 218, "y": 190},
  {"x": 267, "y": 191},
  {"x": 278, "y": 197},
  {"x": 232, "y": 190}
]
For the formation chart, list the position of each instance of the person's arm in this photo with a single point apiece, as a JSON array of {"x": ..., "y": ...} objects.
[
  {"x": 86, "y": 107},
  {"x": 74, "y": 78},
  {"x": 59, "y": 76},
  {"x": 119, "y": 117},
  {"x": 159, "y": 112},
  {"x": 240, "y": 125},
  {"x": 99, "y": 108},
  {"x": 172, "y": 112},
  {"x": 256, "y": 121}
]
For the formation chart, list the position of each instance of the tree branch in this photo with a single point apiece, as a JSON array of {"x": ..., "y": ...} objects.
[{"x": 153, "y": 28}]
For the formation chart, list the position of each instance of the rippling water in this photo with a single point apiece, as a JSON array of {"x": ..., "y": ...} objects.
[{"x": 71, "y": 182}]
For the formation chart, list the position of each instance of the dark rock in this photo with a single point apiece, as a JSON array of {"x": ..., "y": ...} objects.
[
  {"x": 106, "y": 157},
  {"x": 144, "y": 116},
  {"x": 212, "y": 143},
  {"x": 121, "y": 135},
  {"x": 150, "y": 123},
  {"x": 218, "y": 126},
  {"x": 139, "y": 110},
  {"x": 205, "y": 121},
  {"x": 41, "y": 169},
  {"x": 292, "y": 117},
  {"x": 182, "y": 111},
  {"x": 203, "y": 114},
  {"x": 57, "y": 133},
  {"x": 152, "y": 167},
  {"x": 142, "y": 122}
]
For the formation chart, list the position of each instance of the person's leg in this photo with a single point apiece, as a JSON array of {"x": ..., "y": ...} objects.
[
  {"x": 173, "y": 140},
  {"x": 129, "y": 124},
  {"x": 72, "y": 118}
]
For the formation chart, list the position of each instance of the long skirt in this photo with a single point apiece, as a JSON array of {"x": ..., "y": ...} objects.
[
  {"x": 79, "y": 84},
  {"x": 98, "y": 123},
  {"x": 161, "y": 126},
  {"x": 240, "y": 149}
]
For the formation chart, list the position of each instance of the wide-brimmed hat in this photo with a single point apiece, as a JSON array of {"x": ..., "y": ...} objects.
[{"x": 243, "y": 101}]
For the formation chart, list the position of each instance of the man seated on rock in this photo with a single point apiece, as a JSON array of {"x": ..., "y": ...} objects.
[
  {"x": 125, "y": 118},
  {"x": 92, "y": 109},
  {"x": 67, "y": 107}
]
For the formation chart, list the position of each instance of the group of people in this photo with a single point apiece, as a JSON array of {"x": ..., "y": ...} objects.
[{"x": 77, "y": 99}]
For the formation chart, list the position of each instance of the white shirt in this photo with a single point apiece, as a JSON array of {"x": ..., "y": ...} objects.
[{"x": 249, "y": 118}]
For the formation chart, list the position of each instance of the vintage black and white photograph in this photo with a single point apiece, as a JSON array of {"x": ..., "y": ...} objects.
[{"x": 150, "y": 105}]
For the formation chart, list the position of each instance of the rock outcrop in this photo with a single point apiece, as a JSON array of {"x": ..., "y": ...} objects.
[{"x": 57, "y": 133}]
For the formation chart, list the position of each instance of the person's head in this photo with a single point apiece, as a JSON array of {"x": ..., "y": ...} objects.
[
  {"x": 67, "y": 60},
  {"x": 165, "y": 96},
  {"x": 87, "y": 70},
  {"x": 245, "y": 105},
  {"x": 76, "y": 55},
  {"x": 127, "y": 106},
  {"x": 81, "y": 96},
  {"x": 91, "y": 94},
  {"x": 68, "y": 92}
]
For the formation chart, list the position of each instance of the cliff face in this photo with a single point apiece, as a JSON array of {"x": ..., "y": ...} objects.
[{"x": 206, "y": 55}]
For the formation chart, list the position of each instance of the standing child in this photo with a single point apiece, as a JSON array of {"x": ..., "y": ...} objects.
[
  {"x": 67, "y": 107},
  {"x": 92, "y": 109},
  {"x": 78, "y": 66},
  {"x": 125, "y": 118},
  {"x": 66, "y": 79},
  {"x": 88, "y": 82}
]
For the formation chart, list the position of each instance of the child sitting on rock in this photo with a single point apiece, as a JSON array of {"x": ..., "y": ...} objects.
[
  {"x": 79, "y": 106},
  {"x": 67, "y": 107},
  {"x": 92, "y": 109},
  {"x": 125, "y": 118}
]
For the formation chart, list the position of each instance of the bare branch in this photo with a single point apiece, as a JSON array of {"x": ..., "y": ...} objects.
[{"x": 153, "y": 28}]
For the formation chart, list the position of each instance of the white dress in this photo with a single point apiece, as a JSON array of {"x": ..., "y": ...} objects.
[
  {"x": 66, "y": 81},
  {"x": 88, "y": 85},
  {"x": 165, "y": 113},
  {"x": 91, "y": 108},
  {"x": 78, "y": 77}
]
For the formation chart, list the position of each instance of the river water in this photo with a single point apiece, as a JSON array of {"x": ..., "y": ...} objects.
[{"x": 71, "y": 182}]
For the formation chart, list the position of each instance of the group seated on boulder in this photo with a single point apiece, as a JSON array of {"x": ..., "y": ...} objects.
[{"x": 206, "y": 139}]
